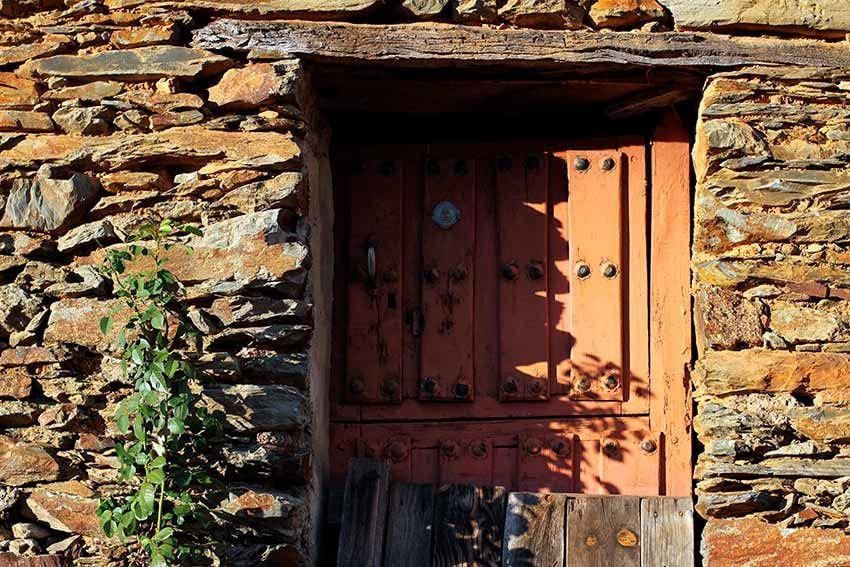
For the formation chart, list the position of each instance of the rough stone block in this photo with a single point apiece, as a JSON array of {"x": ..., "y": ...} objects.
[
  {"x": 761, "y": 14},
  {"x": 755, "y": 543},
  {"x": 726, "y": 320}
]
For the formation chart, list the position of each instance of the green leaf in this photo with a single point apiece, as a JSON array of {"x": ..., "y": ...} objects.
[
  {"x": 139, "y": 428},
  {"x": 105, "y": 325},
  {"x": 158, "y": 321},
  {"x": 176, "y": 426},
  {"x": 123, "y": 422},
  {"x": 163, "y": 534},
  {"x": 146, "y": 496},
  {"x": 156, "y": 476}
]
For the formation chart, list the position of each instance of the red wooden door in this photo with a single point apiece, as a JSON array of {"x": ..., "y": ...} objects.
[{"x": 496, "y": 315}]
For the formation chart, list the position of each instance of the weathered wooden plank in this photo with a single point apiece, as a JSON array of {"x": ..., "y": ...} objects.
[
  {"x": 521, "y": 205},
  {"x": 448, "y": 266},
  {"x": 667, "y": 532},
  {"x": 468, "y": 524},
  {"x": 410, "y": 517},
  {"x": 596, "y": 194},
  {"x": 670, "y": 301},
  {"x": 364, "y": 512},
  {"x": 436, "y": 45},
  {"x": 375, "y": 295},
  {"x": 603, "y": 531},
  {"x": 534, "y": 530}
]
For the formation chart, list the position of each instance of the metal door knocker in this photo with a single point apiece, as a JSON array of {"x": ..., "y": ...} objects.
[{"x": 445, "y": 215}]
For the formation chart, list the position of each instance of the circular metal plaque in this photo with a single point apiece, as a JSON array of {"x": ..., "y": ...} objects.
[{"x": 445, "y": 214}]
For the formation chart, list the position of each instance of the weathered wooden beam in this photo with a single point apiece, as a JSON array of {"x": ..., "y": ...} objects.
[
  {"x": 443, "y": 45},
  {"x": 643, "y": 102}
]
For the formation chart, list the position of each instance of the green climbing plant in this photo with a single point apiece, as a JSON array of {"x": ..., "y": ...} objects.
[{"x": 165, "y": 425}]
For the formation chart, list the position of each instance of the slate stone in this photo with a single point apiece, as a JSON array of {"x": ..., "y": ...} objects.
[
  {"x": 192, "y": 145},
  {"x": 725, "y": 320},
  {"x": 23, "y": 463},
  {"x": 15, "y": 54},
  {"x": 285, "y": 190},
  {"x": 17, "y": 308},
  {"x": 52, "y": 202},
  {"x": 267, "y": 509},
  {"x": 65, "y": 507},
  {"x": 100, "y": 232},
  {"x": 19, "y": 120},
  {"x": 83, "y": 121},
  {"x": 800, "y": 324},
  {"x": 255, "y": 85},
  {"x": 769, "y": 544},
  {"x": 746, "y": 14},
  {"x": 144, "y": 36},
  {"x": 544, "y": 14},
  {"x": 475, "y": 11},
  {"x": 252, "y": 408},
  {"x": 620, "y": 14},
  {"x": 17, "y": 92},
  {"x": 423, "y": 9},
  {"x": 288, "y": 9},
  {"x": 140, "y": 64},
  {"x": 95, "y": 91}
]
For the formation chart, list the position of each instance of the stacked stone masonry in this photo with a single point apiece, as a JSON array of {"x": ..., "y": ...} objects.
[
  {"x": 771, "y": 290},
  {"x": 110, "y": 118}
]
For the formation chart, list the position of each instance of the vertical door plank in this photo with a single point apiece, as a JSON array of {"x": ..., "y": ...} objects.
[
  {"x": 411, "y": 275},
  {"x": 636, "y": 385},
  {"x": 487, "y": 284},
  {"x": 667, "y": 532},
  {"x": 558, "y": 272},
  {"x": 670, "y": 304},
  {"x": 468, "y": 524},
  {"x": 597, "y": 266},
  {"x": 364, "y": 514},
  {"x": 375, "y": 318},
  {"x": 448, "y": 250},
  {"x": 534, "y": 530},
  {"x": 521, "y": 197},
  {"x": 410, "y": 517},
  {"x": 603, "y": 531}
]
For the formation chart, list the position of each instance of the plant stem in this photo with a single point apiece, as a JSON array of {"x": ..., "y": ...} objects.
[{"x": 159, "y": 512}]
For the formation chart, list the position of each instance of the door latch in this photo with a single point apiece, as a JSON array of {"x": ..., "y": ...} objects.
[
  {"x": 415, "y": 321},
  {"x": 371, "y": 259}
]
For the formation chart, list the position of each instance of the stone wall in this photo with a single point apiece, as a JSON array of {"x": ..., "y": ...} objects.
[
  {"x": 108, "y": 119},
  {"x": 771, "y": 285}
]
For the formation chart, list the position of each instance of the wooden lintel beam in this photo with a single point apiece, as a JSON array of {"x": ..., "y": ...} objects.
[
  {"x": 444, "y": 45},
  {"x": 643, "y": 102}
]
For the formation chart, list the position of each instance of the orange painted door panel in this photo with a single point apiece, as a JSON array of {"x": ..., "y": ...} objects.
[
  {"x": 581, "y": 456},
  {"x": 496, "y": 315},
  {"x": 448, "y": 251},
  {"x": 596, "y": 196},
  {"x": 522, "y": 184},
  {"x": 375, "y": 321}
]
